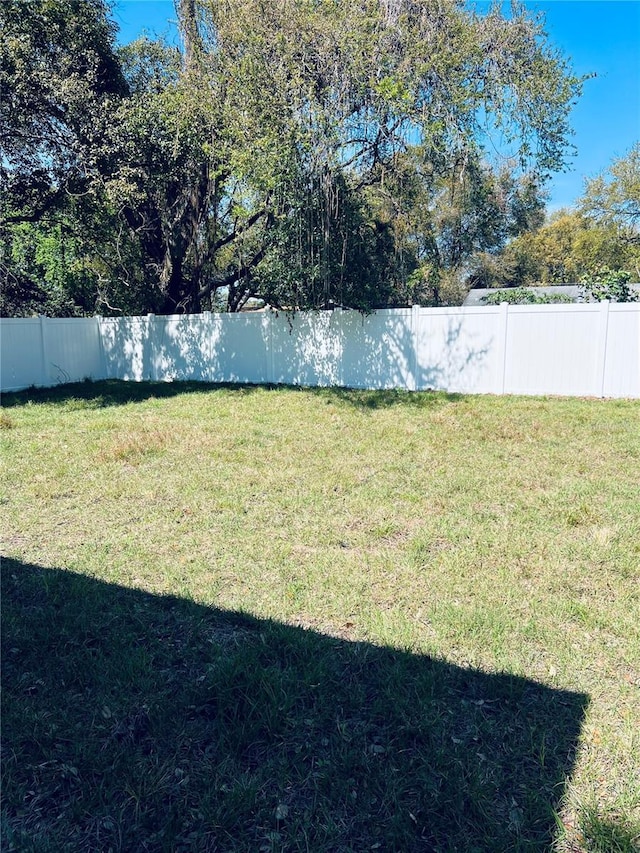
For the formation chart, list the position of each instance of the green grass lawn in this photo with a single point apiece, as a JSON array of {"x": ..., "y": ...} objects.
[{"x": 253, "y": 619}]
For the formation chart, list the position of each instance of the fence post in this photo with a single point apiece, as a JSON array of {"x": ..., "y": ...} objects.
[
  {"x": 270, "y": 365},
  {"x": 337, "y": 327},
  {"x": 601, "y": 351},
  {"x": 208, "y": 333},
  {"x": 102, "y": 354},
  {"x": 151, "y": 333},
  {"x": 415, "y": 328},
  {"x": 45, "y": 357},
  {"x": 501, "y": 356}
]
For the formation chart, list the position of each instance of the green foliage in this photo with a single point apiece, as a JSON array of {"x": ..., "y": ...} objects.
[
  {"x": 58, "y": 75},
  {"x": 610, "y": 285},
  {"x": 524, "y": 296},
  {"x": 330, "y": 247},
  {"x": 576, "y": 245},
  {"x": 563, "y": 251},
  {"x": 613, "y": 198},
  {"x": 62, "y": 250},
  {"x": 306, "y": 153},
  {"x": 72, "y": 265},
  {"x": 41, "y": 272}
]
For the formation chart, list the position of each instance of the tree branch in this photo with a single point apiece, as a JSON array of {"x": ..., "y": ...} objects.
[
  {"x": 235, "y": 275},
  {"x": 229, "y": 238}
]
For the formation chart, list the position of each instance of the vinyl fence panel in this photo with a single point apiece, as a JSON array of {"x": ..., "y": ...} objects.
[
  {"x": 459, "y": 350},
  {"x": 22, "y": 363},
  {"x": 43, "y": 352},
  {"x": 378, "y": 349},
  {"x": 240, "y": 347},
  {"x": 127, "y": 346},
  {"x": 554, "y": 351},
  {"x": 72, "y": 350},
  {"x": 306, "y": 348},
  {"x": 621, "y": 370}
]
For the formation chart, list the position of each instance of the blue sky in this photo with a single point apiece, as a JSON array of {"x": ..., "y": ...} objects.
[{"x": 600, "y": 37}]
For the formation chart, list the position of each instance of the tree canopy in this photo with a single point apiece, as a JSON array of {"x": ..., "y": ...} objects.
[
  {"x": 308, "y": 152},
  {"x": 613, "y": 198},
  {"x": 600, "y": 236}
]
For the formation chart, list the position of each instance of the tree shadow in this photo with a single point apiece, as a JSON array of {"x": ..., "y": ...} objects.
[
  {"x": 385, "y": 350},
  {"x": 114, "y": 392},
  {"x": 118, "y": 392},
  {"x": 139, "y": 722},
  {"x": 382, "y": 351},
  {"x": 455, "y": 353},
  {"x": 386, "y": 399}
]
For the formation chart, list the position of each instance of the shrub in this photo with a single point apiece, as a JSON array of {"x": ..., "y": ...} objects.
[
  {"x": 524, "y": 296},
  {"x": 607, "y": 284}
]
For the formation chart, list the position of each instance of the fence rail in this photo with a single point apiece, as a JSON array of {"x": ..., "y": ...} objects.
[{"x": 573, "y": 350}]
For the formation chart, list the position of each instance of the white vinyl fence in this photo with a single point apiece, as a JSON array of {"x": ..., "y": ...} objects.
[{"x": 574, "y": 350}]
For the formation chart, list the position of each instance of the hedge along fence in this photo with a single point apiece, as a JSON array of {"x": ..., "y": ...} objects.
[{"x": 574, "y": 350}]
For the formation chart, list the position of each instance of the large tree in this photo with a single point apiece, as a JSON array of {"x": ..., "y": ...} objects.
[
  {"x": 60, "y": 78},
  {"x": 566, "y": 248},
  {"x": 384, "y": 107},
  {"x": 308, "y": 152}
]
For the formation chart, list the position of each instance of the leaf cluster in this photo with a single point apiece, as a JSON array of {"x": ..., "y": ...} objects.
[{"x": 611, "y": 285}]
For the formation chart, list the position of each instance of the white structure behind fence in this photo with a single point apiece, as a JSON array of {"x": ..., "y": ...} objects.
[{"x": 575, "y": 350}]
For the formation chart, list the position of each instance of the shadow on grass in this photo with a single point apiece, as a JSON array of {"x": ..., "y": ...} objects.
[
  {"x": 112, "y": 392},
  {"x": 116, "y": 392},
  {"x": 385, "y": 399},
  {"x": 137, "y": 722}
]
